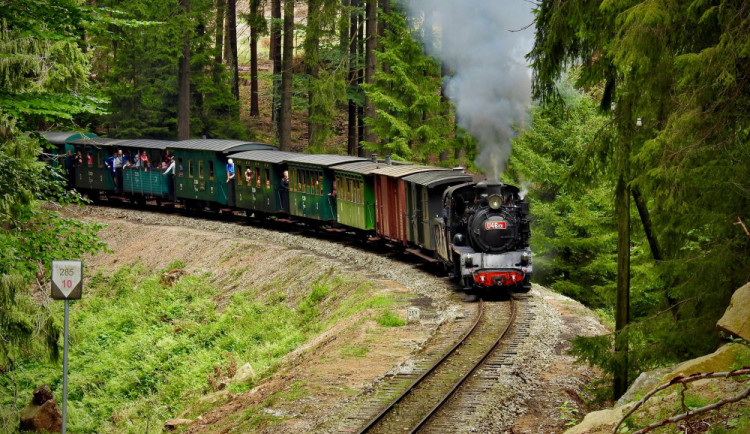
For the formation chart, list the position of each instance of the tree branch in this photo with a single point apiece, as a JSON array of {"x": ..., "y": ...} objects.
[
  {"x": 740, "y": 223},
  {"x": 691, "y": 413},
  {"x": 684, "y": 380}
]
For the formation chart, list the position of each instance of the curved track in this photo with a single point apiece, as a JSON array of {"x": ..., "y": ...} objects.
[{"x": 424, "y": 398}]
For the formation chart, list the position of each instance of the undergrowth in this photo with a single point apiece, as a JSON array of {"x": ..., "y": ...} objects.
[{"x": 142, "y": 352}]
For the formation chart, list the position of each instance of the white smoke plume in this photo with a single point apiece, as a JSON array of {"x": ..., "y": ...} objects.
[{"x": 483, "y": 45}]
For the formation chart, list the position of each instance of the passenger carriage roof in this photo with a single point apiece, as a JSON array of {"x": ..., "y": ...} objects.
[
  {"x": 98, "y": 141},
  {"x": 60, "y": 137},
  {"x": 400, "y": 171},
  {"x": 220, "y": 145},
  {"x": 431, "y": 179},
  {"x": 147, "y": 144},
  {"x": 266, "y": 156},
  {"x": 323, "y": 159}
]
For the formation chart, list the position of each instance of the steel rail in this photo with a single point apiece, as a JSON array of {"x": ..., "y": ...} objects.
[
  {"x": 376, "y": 419},
  {"x": 460, "y": 382}
]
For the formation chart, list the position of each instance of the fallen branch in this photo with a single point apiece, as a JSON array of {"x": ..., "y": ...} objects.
[
  {"x": 685, "y": 380},
  {"x": 740, "y": 223},
  {"x": 692, "y": 413}
]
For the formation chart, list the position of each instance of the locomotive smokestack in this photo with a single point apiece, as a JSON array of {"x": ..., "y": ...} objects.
[{"x": 483, "y": 46}]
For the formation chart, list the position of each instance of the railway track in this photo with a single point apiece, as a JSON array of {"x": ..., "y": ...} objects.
[{"x": 428, "y": 400}]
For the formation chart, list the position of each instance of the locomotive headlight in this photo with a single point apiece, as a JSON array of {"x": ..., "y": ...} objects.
[
  {"x": 525, "y": 257},
  {"x": 495, "y": 201}
]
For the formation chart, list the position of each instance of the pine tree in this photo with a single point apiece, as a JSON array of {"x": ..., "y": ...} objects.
[{"x": 409, "y": 111}]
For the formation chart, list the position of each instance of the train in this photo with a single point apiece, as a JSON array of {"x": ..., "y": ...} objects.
[{"x": 478, "y": 230}]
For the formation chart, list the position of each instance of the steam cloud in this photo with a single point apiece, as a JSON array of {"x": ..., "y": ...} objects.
[{"x": 491, "y": 82}]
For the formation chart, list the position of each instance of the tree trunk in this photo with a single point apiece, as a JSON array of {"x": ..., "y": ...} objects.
[
  {"x": 232, "y": 27},
  {"x": 183, "y": 96},
  {"x": 653, "y": 242},
  {"x": 276, "y": 59},
  {"x": 343, "y": 24},
  {"x": 622, "y": 312},
  {"x": 352, "y": 138},
  {"x": 285, "y": 115},
  {"x": 254, "y": 106},
  {"x": 219, "y": 48},
  {"x": 370, "y": 45},
  {"x": 360, "y": 79},
  {"x": 312, "y": 55}
]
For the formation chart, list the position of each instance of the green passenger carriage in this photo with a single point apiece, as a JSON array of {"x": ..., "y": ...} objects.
[
  {"x": 311, "y": 181},
  {"x": 60, "y": 140},
  {"x": 259, "y": 189},
  {"x": 148, "y": 180},
  {"x": 200, "y": 167},
  {"x": 93, "y": 175},
  {"x": 356, "y": 194}
]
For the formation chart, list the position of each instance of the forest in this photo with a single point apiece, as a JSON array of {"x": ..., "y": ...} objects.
[{"x": 627, "y": 121}]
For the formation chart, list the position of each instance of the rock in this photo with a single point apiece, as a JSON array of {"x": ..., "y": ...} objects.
[
  {"x": 602, "y": 421},
  {"x": 719, "y": 361},
  {"x": 42, "y": 413},
  {"x": 216, "y": 397},
  {"x": 245, "y": 374},
  {"x": 644, "y": 383},
  {"x": 736, "y": 319},
  {"x": 172, "y": 424}
]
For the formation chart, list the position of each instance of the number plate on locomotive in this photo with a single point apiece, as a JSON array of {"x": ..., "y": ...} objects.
[{"x": 489, "y": 226}]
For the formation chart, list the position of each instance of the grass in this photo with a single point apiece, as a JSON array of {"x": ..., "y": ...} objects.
[
  {"x": 388, "y": 319},
  {"x": 142, "y": 352}
]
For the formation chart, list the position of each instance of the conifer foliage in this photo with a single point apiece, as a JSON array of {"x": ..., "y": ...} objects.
[{"x": 674, "y": 75}]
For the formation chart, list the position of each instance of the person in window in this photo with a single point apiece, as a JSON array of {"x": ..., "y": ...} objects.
[
  {"x": 332, "y": 197},
  {"x": 144, "y": 161},
  {"x": 169, "y": 172},
  {"x": 118, "y": 163},
  {"x": 248, "y": 175},
  {"x": 230, "y": 182},
  {"x": 284, "y": 192}
]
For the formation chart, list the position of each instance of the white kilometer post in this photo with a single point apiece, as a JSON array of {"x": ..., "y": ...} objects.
[{"x": 67, "y": 284}]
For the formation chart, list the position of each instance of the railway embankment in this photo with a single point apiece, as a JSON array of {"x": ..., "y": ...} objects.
[{"x": 340, "y": 312}]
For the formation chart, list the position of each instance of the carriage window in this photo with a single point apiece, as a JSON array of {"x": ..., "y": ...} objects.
[
  {"x": 190, "y": 168},
  {"x": 210, "y": 170},
  {"x": 257, "y": 176},
  {"x": 200, "y": 169},
  {"x": 99, "y": 159},
  {"x": 239, "y": 174},
  {"x": 267, "y": 174},
  {"x": 180, "y": 169}
]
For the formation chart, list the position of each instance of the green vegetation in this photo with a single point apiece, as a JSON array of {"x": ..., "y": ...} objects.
[
  {"x": 143, "y": 352},
  {"x": 672, "y": 135},
  {"x": 388, "y": 319}
]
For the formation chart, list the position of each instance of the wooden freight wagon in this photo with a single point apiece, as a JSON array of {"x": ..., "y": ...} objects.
[
  {"x": 201, "y": 177},
  {"x": 424, "y": 194},
  {"x": 259, "y": 175},
  {"x": 93, "y": 175},
  {"x": 356, "y": 194},
  {"x": 390, "y": 200},
  {"x": 311, "y": 181}
]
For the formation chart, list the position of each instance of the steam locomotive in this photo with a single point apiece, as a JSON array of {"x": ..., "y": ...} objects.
[
  {"x": 478, "y": 231},
  {"x": 485, "y": 236}
]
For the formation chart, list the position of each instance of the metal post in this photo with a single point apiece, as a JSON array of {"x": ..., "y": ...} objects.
[{"x": 65, "y": 370}]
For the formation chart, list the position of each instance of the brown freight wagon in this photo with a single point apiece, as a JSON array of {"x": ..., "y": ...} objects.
[{"x": 390, "y": 200}]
